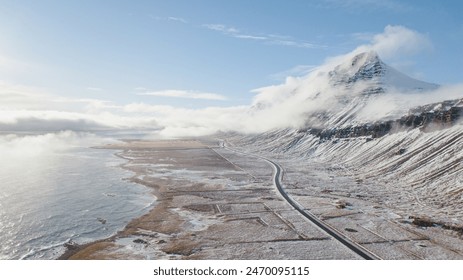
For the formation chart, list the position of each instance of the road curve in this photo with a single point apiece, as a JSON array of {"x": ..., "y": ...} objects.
[{"x": 277, "y": 176}]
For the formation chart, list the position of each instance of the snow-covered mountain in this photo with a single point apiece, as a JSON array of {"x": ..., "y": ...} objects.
[
  {"x": 360, "y": 89},
  {"x": 362, "y": 97},
  {"x": 368, "y": 91},
  {"x": 359, "y": 125},
  {"x": 368, "y": 67}
]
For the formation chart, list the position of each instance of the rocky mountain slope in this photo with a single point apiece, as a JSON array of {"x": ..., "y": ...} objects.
[{"x": 410, "y": 160}]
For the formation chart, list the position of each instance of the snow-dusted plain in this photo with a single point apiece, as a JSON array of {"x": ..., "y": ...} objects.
[
  {"x": 390, "y": 182},
  {"x": 409, "y": 180}
]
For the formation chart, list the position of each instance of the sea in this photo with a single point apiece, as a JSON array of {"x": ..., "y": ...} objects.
[{"x": 57, "y": 188}]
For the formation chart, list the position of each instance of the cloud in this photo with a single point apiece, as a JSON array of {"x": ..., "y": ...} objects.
[
  {"x": 397, "y": 40},
  {"x": 222, "y": 28},
  {"x": 179, "y": 19},
  {"x": 13, "y": 96},
  {"x": 170, "y": 18},
  {"x": 298, "y": 70},
  {"x": 233, "y": 32},
  {"x": 25, "y": 108},
  {"x": 19, "y": 150},
  {"x": 47, "y": 121},
  {"x": 396, "y": 103},
  {"x": 297, "y": 102},
  {"x": 250, "y": 37},
  {"x": 300, "y": 100},
  {"x": 190, "y": 94},
  {"x": 180, "y": 122},
  {"x": 51, "y": 120},
  {"x": 268, "y": 39},
  {"x": 295, "y": 44}
]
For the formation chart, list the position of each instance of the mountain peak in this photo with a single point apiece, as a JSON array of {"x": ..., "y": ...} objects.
[
  {"x": 368, "y": 67},
  {"x": 365, "y": 58},
  {"x": 363, "y": 66}
]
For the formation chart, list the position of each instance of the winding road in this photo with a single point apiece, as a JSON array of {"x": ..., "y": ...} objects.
[{"x": 336, "y": 234}]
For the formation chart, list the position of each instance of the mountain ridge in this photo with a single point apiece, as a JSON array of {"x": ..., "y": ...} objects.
[{"x": 368, "y": 66}]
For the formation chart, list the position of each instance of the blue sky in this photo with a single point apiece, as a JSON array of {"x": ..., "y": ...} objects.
[
  {"x": 196, "y": 54},
  {"x": 79, "y": 47}
]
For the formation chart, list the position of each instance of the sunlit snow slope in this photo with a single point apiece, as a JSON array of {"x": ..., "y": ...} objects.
[{"x": 414, "y": 155}]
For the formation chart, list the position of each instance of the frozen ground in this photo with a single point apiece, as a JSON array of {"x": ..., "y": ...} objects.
[
  {"x": 214, "y": 203},
  {"x": 400, "y": 195}
]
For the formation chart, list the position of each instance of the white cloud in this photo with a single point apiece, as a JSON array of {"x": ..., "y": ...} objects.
[
  {"x": 179, "y": 19},
  {"x": 52, "y": 120},
  {"x": 267, "y": 38},
  {"x": 251, "y": 37},
  {"x": 270, "y": 39},
  {"x": 170, "y": 18},
  {"x": 190, "y": 94},
  {"x": 31, "y": 109},
  {"x": 222, "y": 28},
  {"x": 292, "y": 103},
  {"x": 47, "y": 121},
  {"x": 233, "y": 32},
  {"x": 397, "y": 40},
  {"x": 177, "y": 122},
  {"x": 296, "y": 71},
  {"x": 21, "y": 149},
  {"x": 292, "y": 43},
  {"x": 13, "y": 96}
]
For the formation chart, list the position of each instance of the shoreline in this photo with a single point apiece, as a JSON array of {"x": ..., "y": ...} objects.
[
  {"x": 78, "y": 251},
  {"x": 204, "y": 201},
  {"x": 91, "y": 250},
  {"x": 217, "y": 204}
]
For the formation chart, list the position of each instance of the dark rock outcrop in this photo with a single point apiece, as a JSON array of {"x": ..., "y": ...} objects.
[{"x": 432, "y": 116}]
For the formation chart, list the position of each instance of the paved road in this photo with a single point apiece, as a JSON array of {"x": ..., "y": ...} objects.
[{"x": 277, "y": 176}]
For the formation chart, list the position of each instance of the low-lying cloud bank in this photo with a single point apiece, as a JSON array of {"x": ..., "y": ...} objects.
[
  {"x": 291, "y": 104},
  {"x": 19, "y": 148}
]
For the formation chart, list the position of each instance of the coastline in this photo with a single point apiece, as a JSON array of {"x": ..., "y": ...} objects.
[
  {"x": 98, "y": 249},
  {"x": 214, "y": 203},
  {"x": 209, "y": 206}
]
